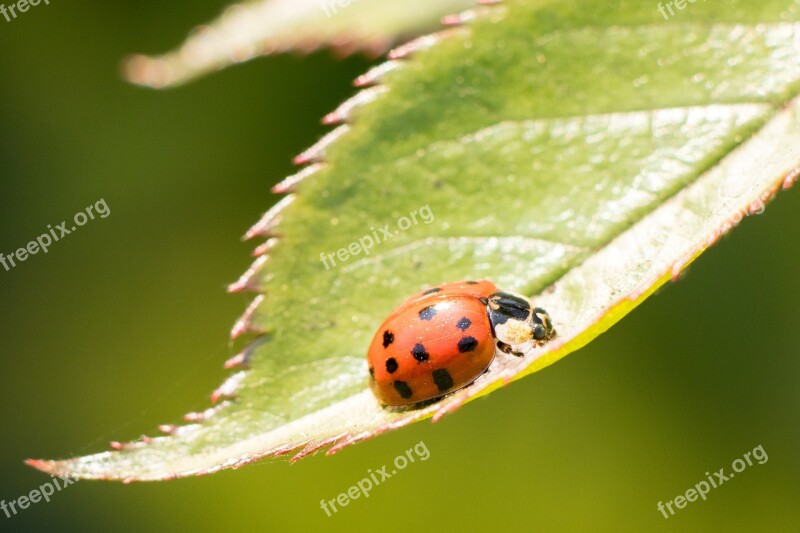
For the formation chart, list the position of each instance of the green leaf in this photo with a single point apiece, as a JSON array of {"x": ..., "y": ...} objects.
[
  {"x": 266, "y": 27},
  {"x": 580, "y": 152}
]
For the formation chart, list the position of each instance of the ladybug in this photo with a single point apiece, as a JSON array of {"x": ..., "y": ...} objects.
[{"x": 442, "y": 339}]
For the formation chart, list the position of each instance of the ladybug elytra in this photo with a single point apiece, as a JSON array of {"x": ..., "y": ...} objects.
[{"x": 442, "y": 339}]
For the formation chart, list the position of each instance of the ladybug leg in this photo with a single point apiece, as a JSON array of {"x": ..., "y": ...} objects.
[{"x": 506, "y": 348}]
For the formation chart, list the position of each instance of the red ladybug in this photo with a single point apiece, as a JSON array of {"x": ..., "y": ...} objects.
[{"x": 442, "y": 339}]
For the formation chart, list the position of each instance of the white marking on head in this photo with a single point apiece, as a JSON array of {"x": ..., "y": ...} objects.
[{"x": 514, "y": 331}]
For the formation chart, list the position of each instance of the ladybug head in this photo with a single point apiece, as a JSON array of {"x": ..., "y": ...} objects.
[
  {"x": 514, "y": 321},
  {"x": 542, "y": 326}
]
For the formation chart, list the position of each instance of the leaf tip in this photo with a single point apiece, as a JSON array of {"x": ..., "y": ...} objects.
[
  {"x": 245, "y": 322},
  {"x": 376, "y": 74},
  {"x": 145, "y": 71},
  {"x": 344, "y": 113},
  {"x": 271, "y": 218},
  {"x": 289, "y": 184},
  {"x": 229, "y": 387},
  {"x": 317, "y": 152},
  {"x": 248, "y": 282},
  {"x": 41, "y": 465},
  {"x": 425, "y": 42},
  {"x": 167, "y": 429}
]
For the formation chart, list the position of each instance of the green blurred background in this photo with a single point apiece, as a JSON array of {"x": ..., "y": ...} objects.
[{"x": 124, "y": 324}]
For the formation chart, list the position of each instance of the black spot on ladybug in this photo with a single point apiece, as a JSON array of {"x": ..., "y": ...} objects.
[
  {"x": 371, "y": 372},
  {"x": 428, "y": 313},
  {"x": 467, "y": 344},
  {"x": 432, "y": 291},
  {"x": 472, "y": 282},
  {"x": 403, "y": 389},
  {"x": 391, "y": 365},
  {"x": 443, "y": 379},
  {"x": 464, "y": 324},
  {"x": 419, "y": 353},
  {"x": 388, "y": 338}
]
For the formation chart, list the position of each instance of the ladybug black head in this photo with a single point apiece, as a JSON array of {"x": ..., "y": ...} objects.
[{"x": 542, "y": 325}]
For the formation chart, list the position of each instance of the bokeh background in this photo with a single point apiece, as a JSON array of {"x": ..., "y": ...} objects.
[{"x": 124, "y": 324}]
